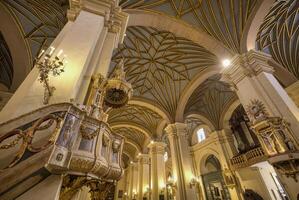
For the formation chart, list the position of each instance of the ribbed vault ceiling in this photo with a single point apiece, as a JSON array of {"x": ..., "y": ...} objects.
[
  {"x": 132, "y": 135},
  {"x": 210, "y": 99},
  {"x": 137, "y": 116},
  {"x": 6, "y": 64},
  {"x": 159, "y": 65},
  {"x": 225, "y": 20},
  {"x": 279, "y": 35},
  {"x": 39, "y": 21}
]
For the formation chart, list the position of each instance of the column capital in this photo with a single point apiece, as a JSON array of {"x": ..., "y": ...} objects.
[
  {"x": 248, "y": 64},
  {"x": 176, "y": 128},
  {"x": 157, "y": 147},
  {"x": 143, "y": 158},
  {"x": 115, "y": 20}
]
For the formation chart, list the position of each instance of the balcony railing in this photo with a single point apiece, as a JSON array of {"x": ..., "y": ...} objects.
[{"x": 249, "y": 158}]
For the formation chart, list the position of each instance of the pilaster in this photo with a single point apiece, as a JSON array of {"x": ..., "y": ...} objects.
[
  {"x": 273, "y": 114},
  {"x": 143, "y": 176},
  {"x": 92, "y": 25},
  {"x": 252, "y": 77},
  {"x": 181, "y": 161},
  {"x": 158, "y": 176}
]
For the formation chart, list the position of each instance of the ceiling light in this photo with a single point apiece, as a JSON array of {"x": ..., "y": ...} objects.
[{"x": 226, "y": 63}]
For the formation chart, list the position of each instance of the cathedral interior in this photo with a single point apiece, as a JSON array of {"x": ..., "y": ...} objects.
[{"x": 149, "y": 99}]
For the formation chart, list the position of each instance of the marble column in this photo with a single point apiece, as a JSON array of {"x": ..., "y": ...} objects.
[
  {"x": 82, "y": 40},
  {"x": 251, "y": 75},
  {"x": 181, "y": 161},
  {"x": 143, "y": 176},
  {"x": 158, "y": 175}
]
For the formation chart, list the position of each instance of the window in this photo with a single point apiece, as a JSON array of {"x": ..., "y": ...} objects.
[
  {"x": 165, "y": 156},
  {"x": 201, "y": 135}
]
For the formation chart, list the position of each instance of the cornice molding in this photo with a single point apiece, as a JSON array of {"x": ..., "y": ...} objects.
[
  {"x": 249, "y": 64},
  {"x": 115, "y": 20},
  {"x": 157, "y": 147}
]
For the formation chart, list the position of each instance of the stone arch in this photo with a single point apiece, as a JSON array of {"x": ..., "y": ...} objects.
[
  {"x": 189, "y": 89},
  {"x": 228, "y": 113},
  {"x": 20, "y": 55},
  {"x": 203, "y": 119},
  {"x": 208, "y": 152},
  {"x": 131, "y": 125},
  {"x": 150, "y": 105},
  {"x": 253, "y": 24}
]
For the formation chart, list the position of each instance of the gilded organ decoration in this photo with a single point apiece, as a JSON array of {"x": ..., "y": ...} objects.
[{"x": 256, "y": 111}]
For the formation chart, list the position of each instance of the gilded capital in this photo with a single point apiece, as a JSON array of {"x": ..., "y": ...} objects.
[
  {"x": 248, "y": 64},
  {"x": 115, "y": 19},
  {"x": 176, "y": 129},
  {"x": 143, "y": 158},
  {"x": 157, "y": 147}
]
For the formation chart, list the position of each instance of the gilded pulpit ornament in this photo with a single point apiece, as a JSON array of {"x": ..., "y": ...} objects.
[
  {"x": 276, "y": 138},
  {"x": 118, "y": 90},
  {"x": 116, "y": 146},
  {"x": 49, "y": 65}
]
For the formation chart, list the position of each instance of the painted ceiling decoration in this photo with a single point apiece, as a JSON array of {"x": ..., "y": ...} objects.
[
  {"x": 6, "y": 64},
  {"x": 211, "y": 99},
  {"x": 279, "y": 34},
  {"x": 159, "y": 65},
  {"x": 39, "y": 21},
  {"x": 225, "y": 20},
  {"x": 136, "y": 115},
  {"x": 132, "y": 135}
]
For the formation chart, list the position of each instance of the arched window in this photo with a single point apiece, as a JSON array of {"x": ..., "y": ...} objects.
[
  {"x": 165, "y": 156},
  {"x": 201, "y": 135}
]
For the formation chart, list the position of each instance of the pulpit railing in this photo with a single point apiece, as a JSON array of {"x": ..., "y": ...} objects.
[{"x": 77, "y": 143}]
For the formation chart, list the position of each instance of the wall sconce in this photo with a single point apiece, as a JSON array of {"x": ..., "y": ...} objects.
[
  {"x": 49, "y": 65},
  {"x": 193, "y": 182}
]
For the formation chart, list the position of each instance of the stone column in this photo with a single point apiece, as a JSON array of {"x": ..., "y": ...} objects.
[
  {"x": 181, "y": 161},
  {"x": 143, "y": 176},
  {"x": 133, "y": 180},
  {"x": 82, "y": 40},
  {"x": 251, "y": 75},
  {"x": 158, "y": 175},
  {"x": 264, "y": 99}
]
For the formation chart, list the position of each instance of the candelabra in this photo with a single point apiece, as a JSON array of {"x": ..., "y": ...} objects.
[{"x": 47, "y": 65}]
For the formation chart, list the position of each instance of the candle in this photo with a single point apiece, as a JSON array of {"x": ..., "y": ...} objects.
[
  {"x": 41, "y": 54},
  {"x": 59, "y": 53},
  {"x": 51, "y": 50}
]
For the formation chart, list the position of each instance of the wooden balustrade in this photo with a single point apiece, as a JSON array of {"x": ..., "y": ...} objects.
[{"x": 249, "y": 158}]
